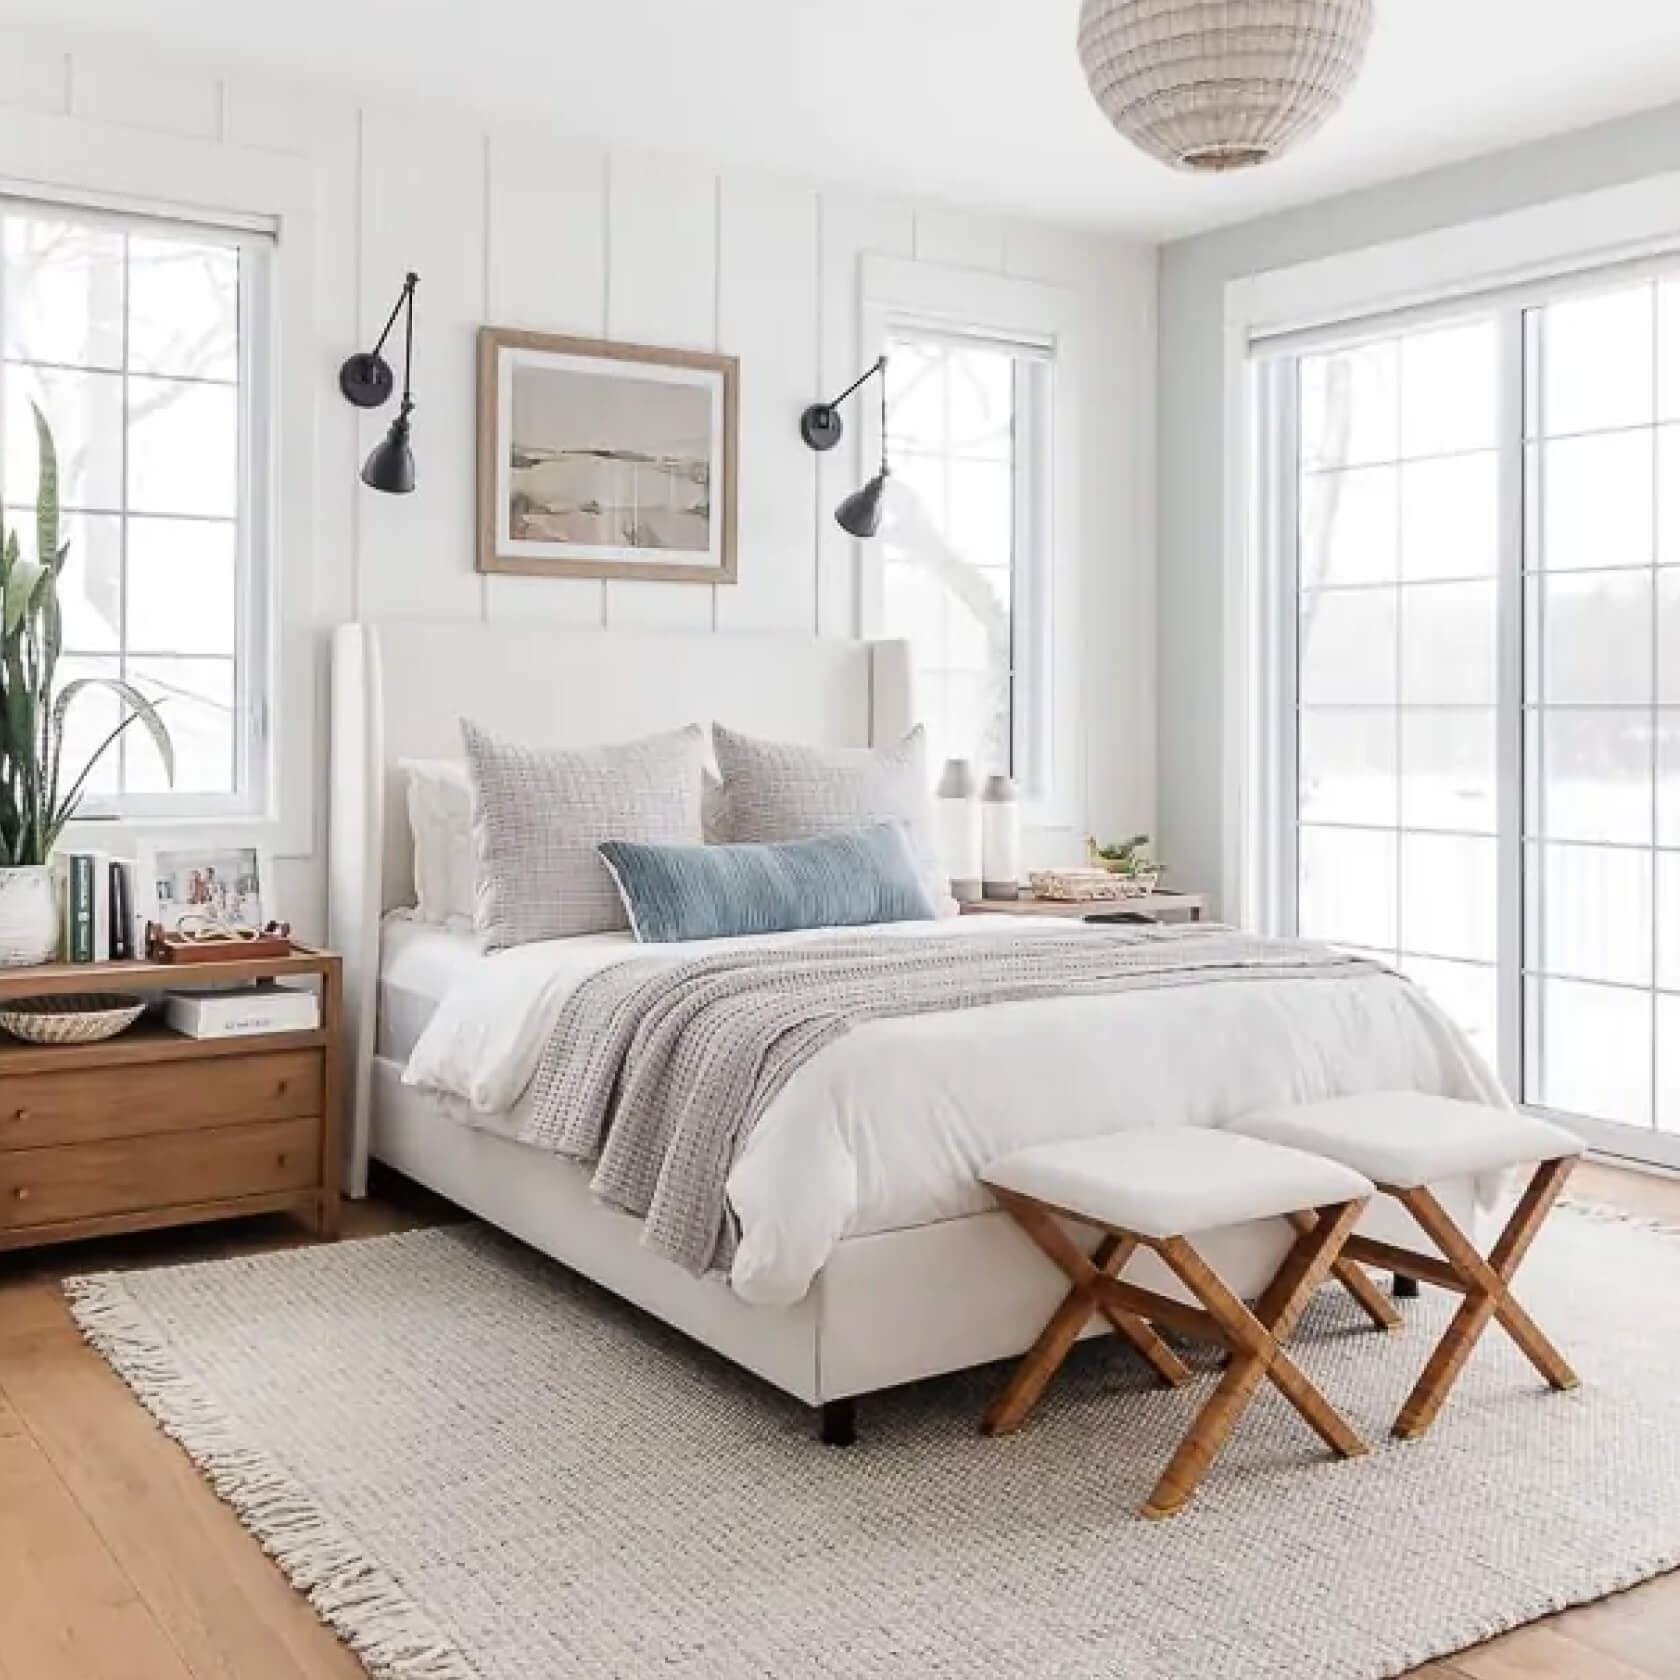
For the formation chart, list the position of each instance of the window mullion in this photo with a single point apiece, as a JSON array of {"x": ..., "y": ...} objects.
[
  {"x": 1656, "y": 701},
  {"x": 122, "y": 521},
  {"x": 1022, "y": 670},
  {"x": 1513, "y": 376},
  {"x": 1283, "y": 536}
]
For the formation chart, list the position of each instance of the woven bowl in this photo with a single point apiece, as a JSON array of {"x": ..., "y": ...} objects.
[{"x": 73, "y": 1018}]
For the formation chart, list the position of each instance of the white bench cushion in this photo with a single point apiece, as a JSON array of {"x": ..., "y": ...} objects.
[
  {"x": 1405, "y": 1139},
  {"x": 1172, "y": 1181}
]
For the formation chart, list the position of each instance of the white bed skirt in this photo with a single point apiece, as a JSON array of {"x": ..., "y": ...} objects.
[{"x": 887, "y": 1309}]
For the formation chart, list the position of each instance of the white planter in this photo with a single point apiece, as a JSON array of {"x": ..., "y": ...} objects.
[{"x": 29, "y": 922}]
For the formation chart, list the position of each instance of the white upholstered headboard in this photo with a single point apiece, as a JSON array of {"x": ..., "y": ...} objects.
[{"x": 399, "y": 690}]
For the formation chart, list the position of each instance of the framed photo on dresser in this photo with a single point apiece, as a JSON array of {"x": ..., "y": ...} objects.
[
  {"x": 205, "y": 887},
  {"x": 605, "y": 460}
]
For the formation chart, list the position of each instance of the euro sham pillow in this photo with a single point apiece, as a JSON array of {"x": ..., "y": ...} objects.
[
  {"x": 774, "y": 791},
  {"x": 440, "y": 824},
  {"x": 857, "y": 878},
  {"x": 539, "y": 818}
]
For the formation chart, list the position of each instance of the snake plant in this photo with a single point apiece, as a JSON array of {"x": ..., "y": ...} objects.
[{"x": 34, "y": 803}]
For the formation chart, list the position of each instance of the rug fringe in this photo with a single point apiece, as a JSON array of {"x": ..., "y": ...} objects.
[
  {"x": 1604, "y": 1214},
  {"x": 356, "y": 1598}
]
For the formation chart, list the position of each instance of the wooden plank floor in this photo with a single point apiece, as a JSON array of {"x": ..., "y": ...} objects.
[{"x": 118, "y": 1563}]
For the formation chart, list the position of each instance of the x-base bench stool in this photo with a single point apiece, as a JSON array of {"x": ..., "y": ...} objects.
[
  {"x": 1404, "y": 1141},
  {"x": 1156, "y": 1189}
]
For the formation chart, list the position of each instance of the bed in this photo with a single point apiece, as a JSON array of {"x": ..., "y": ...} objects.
[{"x": 910, "y": 1278}]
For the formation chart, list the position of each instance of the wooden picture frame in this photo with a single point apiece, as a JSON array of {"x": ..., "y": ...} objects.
[{"x": 603, "y": 460}]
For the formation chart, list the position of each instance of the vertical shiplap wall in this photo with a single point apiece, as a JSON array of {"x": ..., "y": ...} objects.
[{"x": 521, "y": 225}]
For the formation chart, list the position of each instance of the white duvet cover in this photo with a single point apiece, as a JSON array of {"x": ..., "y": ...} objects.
[{"x": 890, "y": 1126}]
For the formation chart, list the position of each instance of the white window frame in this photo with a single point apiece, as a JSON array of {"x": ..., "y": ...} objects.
[
  {"x": 1581, "y": 243},
  {"x": 904, "y": 295},
  {"x": 1031, "y": 724},
  {"x": 62, "y": 161},
  {"x": 254, "y": 596}
]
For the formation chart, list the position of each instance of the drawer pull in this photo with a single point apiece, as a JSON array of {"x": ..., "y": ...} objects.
[
  {"x": 281, "y": 1087},
  {"x": 19, "y": 1116},
  {"x": 279, "y": 1160},
  {"x": 22, "y": 1193}
]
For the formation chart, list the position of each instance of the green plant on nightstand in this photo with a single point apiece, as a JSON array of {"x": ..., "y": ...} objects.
[
  {"x": 34, "y": 802},
  {"x": 1129, "y": 859}
]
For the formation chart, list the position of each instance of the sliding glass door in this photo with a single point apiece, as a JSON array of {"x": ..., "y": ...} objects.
[{"x": 1475, "y": 537}]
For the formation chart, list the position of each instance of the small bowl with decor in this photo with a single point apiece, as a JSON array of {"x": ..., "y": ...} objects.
[
  {"x": 71, "y": 1017},
  {"x": 1129, "y": 862}
]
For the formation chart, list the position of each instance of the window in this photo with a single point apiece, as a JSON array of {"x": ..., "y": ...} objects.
[
  {"x": 1601, "y": 692},
  {"x": 140, "y": 343},
  {"x": 1475, "y": 530},
  {"x": 965, "y": 551}
]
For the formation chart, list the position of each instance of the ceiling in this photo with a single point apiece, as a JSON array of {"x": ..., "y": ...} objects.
[{"x": 977, "y": 101}]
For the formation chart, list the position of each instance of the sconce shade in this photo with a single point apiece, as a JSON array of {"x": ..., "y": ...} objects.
[
  {"x": 860, "y": 514},
  {"x": 390, "y": 464}
]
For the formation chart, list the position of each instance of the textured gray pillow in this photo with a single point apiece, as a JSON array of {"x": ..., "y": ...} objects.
[
  {"x": 540, "y": 818},
  {"x": 781, "y": 790}
]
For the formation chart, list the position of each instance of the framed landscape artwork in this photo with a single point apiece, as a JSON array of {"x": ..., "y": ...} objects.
[{"x": 605, "y": 460}]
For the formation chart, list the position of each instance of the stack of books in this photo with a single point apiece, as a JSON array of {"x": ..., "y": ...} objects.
[{"x": 96, "y": 892}]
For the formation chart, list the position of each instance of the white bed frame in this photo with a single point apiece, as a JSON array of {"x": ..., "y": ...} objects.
[{"x": 886, "y": 1309}]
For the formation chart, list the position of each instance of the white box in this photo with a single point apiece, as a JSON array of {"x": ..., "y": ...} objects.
[{"x": 243, "y": 1011}]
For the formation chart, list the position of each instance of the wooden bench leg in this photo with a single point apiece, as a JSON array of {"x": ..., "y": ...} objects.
[
  {"x": 1031, "y": 1377},
  {"x": 1487, "y": 1295},
  {"x": 1255, "y": 1339},
  {"x": 1177, "y": 1484},
  {"x": 1357, "y": 1282}
]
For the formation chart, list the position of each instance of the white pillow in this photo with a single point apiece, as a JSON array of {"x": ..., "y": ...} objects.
[{"x": 440, "y": 820}]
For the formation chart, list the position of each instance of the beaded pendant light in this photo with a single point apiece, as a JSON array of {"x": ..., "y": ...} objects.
[{"x": 1216, "y": 85}]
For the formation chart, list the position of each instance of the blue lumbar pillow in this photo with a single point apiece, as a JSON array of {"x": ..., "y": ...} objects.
[{"x": 849, "y": 879}]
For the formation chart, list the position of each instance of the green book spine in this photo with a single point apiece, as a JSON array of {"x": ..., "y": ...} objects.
[{"x": 81, "y": 907}]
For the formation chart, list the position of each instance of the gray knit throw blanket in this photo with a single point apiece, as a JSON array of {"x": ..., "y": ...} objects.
[{"x": 657, "y": 1071}]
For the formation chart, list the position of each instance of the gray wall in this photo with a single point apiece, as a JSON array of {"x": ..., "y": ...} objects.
[{"x": 1193, "y": 275}]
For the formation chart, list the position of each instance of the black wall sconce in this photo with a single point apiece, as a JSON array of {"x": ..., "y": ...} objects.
[
  {"x": 821, "y": 427},
  {"x": 367, "y": 381}
]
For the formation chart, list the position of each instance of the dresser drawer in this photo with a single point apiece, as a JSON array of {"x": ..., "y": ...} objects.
[
  {"x": 123, "y": 1175},
  {"x": 84, "y": 1104}
]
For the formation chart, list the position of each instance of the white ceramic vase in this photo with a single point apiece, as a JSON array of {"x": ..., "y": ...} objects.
[
  {"x": 29, "y": 927},
  {"x": 958, "y": 806},
  {"x": 1000, "y": 839}
]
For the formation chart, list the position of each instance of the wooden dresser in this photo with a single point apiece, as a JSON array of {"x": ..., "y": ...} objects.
[{"x": 152, "y": 1128}]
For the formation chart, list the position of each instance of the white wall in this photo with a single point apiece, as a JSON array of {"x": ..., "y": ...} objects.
[
  {"x": 523, "y": 226},
  {"x": 1195, "y": 801}
]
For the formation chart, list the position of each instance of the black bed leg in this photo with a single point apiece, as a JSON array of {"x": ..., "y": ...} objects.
[
  {"x": 838, "y": 1425},
  {"x": 1406, "y": 1288}
]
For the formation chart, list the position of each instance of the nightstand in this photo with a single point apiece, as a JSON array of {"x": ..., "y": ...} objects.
[
  {"x": 1163, "y": 905},
  {"x": 152, "y": 1128}
]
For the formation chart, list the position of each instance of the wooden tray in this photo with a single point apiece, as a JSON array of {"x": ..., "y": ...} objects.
[{"x": 167, "y": 947}]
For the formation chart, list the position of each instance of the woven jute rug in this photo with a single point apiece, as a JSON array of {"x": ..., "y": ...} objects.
[{"x": 481, "y": 1468}]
